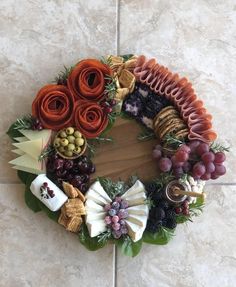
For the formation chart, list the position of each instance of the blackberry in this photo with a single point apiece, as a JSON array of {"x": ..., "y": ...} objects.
[
  {"x": 171, "y": 223},
  {"x": 150, "y": 187},
  {"x": 170, "y": 214},
  {"x": 157, "y": 213},
  {"x": 153, "y": 226},
  {"x": 164, "y": 204}
]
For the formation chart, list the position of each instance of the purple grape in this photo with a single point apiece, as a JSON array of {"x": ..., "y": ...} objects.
[
  {"x": 165, "y": 164},
  {"x": 198, "y": 169},
  {"x": 206, "y": 176},
  {"x": 116, "y": 234},
  {"x": 156, "y": 154},
  {"x": 208, "y": 157},
  {"x": 84, "y": 178},
  {"x": 219, "y": 157},
  {"x": 68, "y": 164},
  {"x": 115, "y": 219},
  {"x": 202, "y": 148},
  {"x": 178, "y": 172},
  {"x": 122, "y": 222},
  {"x": 187, "y": 166},
  {"x": 92, "y": 169},
  {"x": 124, "y": 204},
  {"x": 83, "y": 167},
  {"x": 107, "y": 220},
  {"x": 118, "y": 199},
  {"x": 115, "y": 205},
  {"x": 123, "y": 213},
  {"x": 116, "y": 226},
  {"x": 220, "y": 169},
  {"x": 210, "y": 167},
  {"x": 58, "y": 163},
  {"x": 124, "y": 229},
  {"x": 61, "y": 173},
  {"x": 107, "y": 207},
  {"x": 112, "y": 212},
  {"x": 83, "y": 187}
]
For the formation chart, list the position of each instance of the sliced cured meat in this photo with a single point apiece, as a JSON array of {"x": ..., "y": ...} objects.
[{"x": 181, "y": 93}]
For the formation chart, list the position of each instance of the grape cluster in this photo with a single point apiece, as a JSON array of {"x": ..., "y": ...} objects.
[
  {"x": 76, "y": 172},
  {"x": 36, "y": 125},
  {"x": 108, "y": 105},
  {"x": 116, "y": 213},
  {"x": 195, "y": 158}
]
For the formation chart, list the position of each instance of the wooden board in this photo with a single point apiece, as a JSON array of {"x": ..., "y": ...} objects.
[{"x": 125, "y": 156}]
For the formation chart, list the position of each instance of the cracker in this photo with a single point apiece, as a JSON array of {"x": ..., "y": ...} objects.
[
  {"x": 62, "y": 220},
  {"x": 73, "y": 207},
  {"x": 69, "y": 190},
  {"x": 126, "y": 79},
  {"x": 74, "y": 223}
]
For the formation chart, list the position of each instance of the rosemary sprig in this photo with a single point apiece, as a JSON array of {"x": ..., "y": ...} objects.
[
  {"x": 92, "y": 144},
  {"x": 171, "y": 140},
  {"x": 216, "y": 147},
  {"x": 104, "y": 237},
  {"x": 163, "y": 179},
  {"x": 46, "y": 152},
  {"x": 146, "y": 135},
  {"x": 150, "y": 203},
  {"x": 23, "y": 123},
  {"x": 61, "y": 79},
  {"x": 111, "y": 87},
  {"x": 113, "y": 188}
]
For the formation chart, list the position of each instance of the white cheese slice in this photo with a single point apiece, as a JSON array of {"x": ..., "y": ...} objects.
[
  {"x": 17, "y": 151},
  {"x": 53, "y": 203},
  {"x": 140, "y": 220},
  {"x": 20, "y": 139},
  {"x": 138, "y": 210},
  {"x": 134, "y": 231},
  {"x": 28, "y": 162},
  {"x": 33, "y": 148},
  {"x": 96, "y": 227},
  {"x": 136, "y": 199},
  {"x": 90, "y": 206},
  {"x": 97, "y": 187},
  {"x": 45, "y": 135},
  {"x": 95, "y": 216},
  {"x": 93, "y": 195},
  {"x": 136, "y": 188}
]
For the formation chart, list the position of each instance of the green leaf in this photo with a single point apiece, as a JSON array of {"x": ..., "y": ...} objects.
[
  {"x": 91, "y": 243},
  {"x": 23, "y": 123},
  {"x": 31, "y": 201},
  {"x": 13, "y": 133},
  {"x": 128, "y": 247},
  {"x": 24, "y": 176},
  {"x": 162, "y": 237},
  {"x": 54, "y": 215},
  {"x": 126, "y": 57}
]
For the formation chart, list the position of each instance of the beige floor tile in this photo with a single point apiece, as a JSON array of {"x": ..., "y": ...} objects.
[
  {"x": 36, "y": 39},
  {"x": 202, "y": 253},
  {"x": 197, "y": 40},
  {"x": 35, "y": 251}
]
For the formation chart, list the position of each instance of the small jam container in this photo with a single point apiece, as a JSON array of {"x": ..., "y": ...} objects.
[{"x": 171, "y": 196}]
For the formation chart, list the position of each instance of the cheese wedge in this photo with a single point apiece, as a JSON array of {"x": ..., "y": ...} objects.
[
  {"x": 28, "y": 162},
  {"x": 93, "y": 195},
  {"x": 136, "y": 188},
  {"x": 134, "y": 231},
  {"x": 32, "y": 148},
  {"x": 136, "y": 199},
  {"x": 30, "y": 170},
  {"x": 17, "y": 151},
  {"x": 45, "y": 135},
  {"x": 96, "y": 227},
  {"x": 97, "y": 187},
  {"x": 90, "y": 205},
  {"x": 138, "y": 219},
  {"x": 91, "y": 216},
  {"x": 138, "y": 210}
]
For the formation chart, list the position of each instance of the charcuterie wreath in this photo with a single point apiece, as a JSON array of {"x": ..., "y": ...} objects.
[{"x": 150, "y": 191}]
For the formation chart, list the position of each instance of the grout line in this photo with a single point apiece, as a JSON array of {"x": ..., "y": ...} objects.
[
  {"x": 117, "y": 27},
  {"x": 114, "y": 283}
]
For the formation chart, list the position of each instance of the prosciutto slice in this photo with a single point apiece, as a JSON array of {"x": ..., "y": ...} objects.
[{"x": 181, "y": 93}]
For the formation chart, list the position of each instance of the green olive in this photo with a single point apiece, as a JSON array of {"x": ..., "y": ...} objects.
[
  {"x": 68, "y": 153},
  {"x": 77, "y": 150},
  {"x": 71, "y": 139},
  {"x": 79, "y": 141},
  {"x": 63, "y": 134},
  {"x": 61, "y": 149},
  {"x": 70, "y": 131},
  {"x": 64, "y": 142},
  {"x": 77, "y": 134},
  {"x": 57, "y": 142},
  {"x": 71, "y": 147}
]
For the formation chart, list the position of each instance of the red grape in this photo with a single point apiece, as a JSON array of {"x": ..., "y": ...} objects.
[
  {"x": 219, "y": 157},
  {"x": 202, "y": 148},
  {"x": 210, "y": 167},
  {"x": 220, "y": 169},
  {"x": 208, "y": 157},
  {"x": 199, "y": 169},
  {"x": 156, "y": 154},
  {"x": 193, "y": 145},
  {"x": 184, "y": 148},
  {"x": 158, "y": 147},
  {"x": 206, "y": 176},
  {"x": 187, "y": 166},
  {"x": 165, "y": 164},
  {"x": 178, "y": 172},
  {"x": 214, "y": 175},
  {"x": 181, "y": 156},
  {"x": 175, "y": 162}
]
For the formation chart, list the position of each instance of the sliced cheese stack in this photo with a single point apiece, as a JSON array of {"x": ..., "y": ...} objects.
[
  {"x": 29, "y": 147},
  {"x": 96, "y": 199},
  {"x": 138, "y": 210}
]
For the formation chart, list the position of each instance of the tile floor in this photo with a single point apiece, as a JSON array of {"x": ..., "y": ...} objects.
[{"x": 195, "y": 38}]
